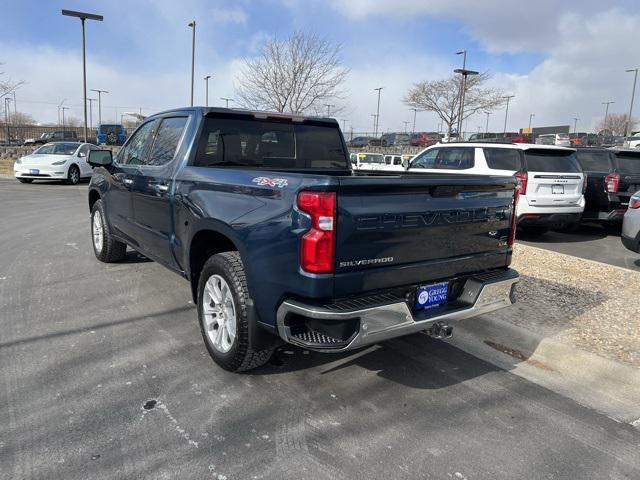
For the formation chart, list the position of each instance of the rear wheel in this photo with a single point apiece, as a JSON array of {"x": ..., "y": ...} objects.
[
  {"x": 73, "y": 175},
  {"x": 106, "y": 248},
  {"x": 25, "y": 180},
  {"x": 223, "y": 299}
]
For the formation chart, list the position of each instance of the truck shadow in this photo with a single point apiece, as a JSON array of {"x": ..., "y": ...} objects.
[{"x": 585, "y": 233}]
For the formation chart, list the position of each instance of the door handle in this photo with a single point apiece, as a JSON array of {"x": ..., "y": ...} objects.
[
  {"x": 162, "y": 188},
  {"x": 128, "y": 181}
]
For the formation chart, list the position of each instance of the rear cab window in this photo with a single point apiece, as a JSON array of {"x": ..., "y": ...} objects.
[
  {"x": 244, "y": 142},
  {"x": 628, "y": 163},
  {"x": 552, "y": 161},
  {"x": 594, "y": 161}
]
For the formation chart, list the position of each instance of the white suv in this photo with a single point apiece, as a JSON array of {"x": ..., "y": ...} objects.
[{"x": 550, "y": 178}]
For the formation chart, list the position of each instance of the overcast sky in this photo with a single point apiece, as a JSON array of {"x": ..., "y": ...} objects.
[{"x": 560, "y": 58}]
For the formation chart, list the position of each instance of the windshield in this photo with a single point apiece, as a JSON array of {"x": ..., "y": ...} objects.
[
  {"x": 593, "y": 161},
  {"x": 555, "y": 161},
  {"x": 371, "y": 158},
  {"x": 57, "y": 149},
  {"x": 270, "y": 144},
  {"x": 629, "y": 163}
]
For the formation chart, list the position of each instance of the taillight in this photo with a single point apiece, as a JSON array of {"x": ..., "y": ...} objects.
[
  {"x": 612, "y": 183},
  {"x": 634, "y": 202},
  {"x": 317, "y": 249},
  {"x": 514, "y": 217},
  {"x": 522, "y": 178},
  {"x": 584, "y": 184}
]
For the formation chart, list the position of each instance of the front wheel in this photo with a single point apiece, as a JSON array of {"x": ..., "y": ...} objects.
[
  {"x": 73, "y": 175},
  {"x": 106, "y": 248},
  {"x": 223, "y": 299}
]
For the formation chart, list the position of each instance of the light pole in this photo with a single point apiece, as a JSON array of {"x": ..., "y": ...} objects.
[
  {"x": 227, "y": 100},
  {"x": 465, "y": 73},
  {"x": 63, "y": 109},
  {"x": 6, "y": 118},
  {"x": 405, "y": 126},
  {"x": 206, "y": 89},
  {"x": 606, "y": 114},
  {"x": 575, "y": 125},
  {"x": 328, "y": 105},
  {"x": 415, "y": 112},
  {"x": 464, "y": 66},
  {"x": 15, "y": 108},
  {"x": 344, "y": 125},
  {"x": 375, "y": 121},
  {"x": 193, "y": 55},
  {"x": 91, "y": 100},
  {"x": 506, "y": 114},
  {"x": 60, "y": 105},
  {"x": 379, "y": 89},
  {"x": 83, "y": 16},
  {"x": 633, "y": 94},
  {"x": 486, "y": 128},
  {"x": 100, "y": 92}
]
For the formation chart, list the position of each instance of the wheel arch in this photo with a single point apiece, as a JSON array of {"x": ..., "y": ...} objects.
[{"x": 94, "y": 196}]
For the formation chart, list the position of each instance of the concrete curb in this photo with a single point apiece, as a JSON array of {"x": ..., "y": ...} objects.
[{"x": 607, "y": 386}]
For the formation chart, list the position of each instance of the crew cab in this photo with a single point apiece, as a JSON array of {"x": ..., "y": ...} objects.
[
  {"x": 613, "y": 176},
  {"x": 282, "y": 242}
]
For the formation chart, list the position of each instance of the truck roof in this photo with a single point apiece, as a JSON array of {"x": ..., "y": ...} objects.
[
  {"x": 240, "y": 112},
  {"x": 519, "y": 146}
]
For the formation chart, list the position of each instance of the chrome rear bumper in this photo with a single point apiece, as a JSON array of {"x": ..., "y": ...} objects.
[{"x": 481, "y": 294}]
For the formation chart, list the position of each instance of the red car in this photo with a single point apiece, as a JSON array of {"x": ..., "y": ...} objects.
[{"x": 424, "y": 139}]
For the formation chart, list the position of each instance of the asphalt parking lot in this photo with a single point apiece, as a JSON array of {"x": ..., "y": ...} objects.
[
  {"x": 104, "y": 375},
  {"x": 590, "y": 241}
]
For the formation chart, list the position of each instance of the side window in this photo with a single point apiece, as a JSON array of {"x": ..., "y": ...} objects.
[
  {"x": 456, "y": 158},
  {"x": 137, "y": 148},
  {"x": 84, "y": 151},
  {"x": 426, "y": 159},
  {"x": 503, "y": 158},
  {"x": 167, "y": 138}
]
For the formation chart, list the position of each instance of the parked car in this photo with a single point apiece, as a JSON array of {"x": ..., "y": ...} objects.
[
  {"x": 367, "y": 161},
  {"x": 550, "y": 178},
  {"x": 613, "y": 175},
  {"x": 360, "y": 142},
  {"x": 424, "y": 139},
  {"x": 394, "y": 139},
  {"x": 55, "y": 161},
  {"x": 632, "y": 142},
  {"x": 393, "y": 160},
  {"x": 558, "y": 139},
  {"x": 62, "y": 135},
  {"x": 631, "y": 224},
  {"x": 282, "y": 242},
  {"x": 110, "y": 134}
]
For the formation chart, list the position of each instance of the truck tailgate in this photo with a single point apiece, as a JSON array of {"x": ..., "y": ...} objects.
[{"x": 398, "y": 230}]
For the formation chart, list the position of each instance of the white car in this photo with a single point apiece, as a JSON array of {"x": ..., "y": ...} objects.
[
  {"x": 557, "y": 139},
  {"x": 396, "y": 162},
  {"x": 367, "y": 161},
  {"x": 632, "y": 142},
  {"x": 55, "y": 161},
  {"x": 550, "y": 178}
]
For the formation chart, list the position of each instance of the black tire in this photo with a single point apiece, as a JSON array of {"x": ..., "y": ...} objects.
[
  {"x": 25, "y": 180},
  {"x": 241, "y": 356},
  {"x": 111, "y": 250},
  {"x": 73, "y": 175}
]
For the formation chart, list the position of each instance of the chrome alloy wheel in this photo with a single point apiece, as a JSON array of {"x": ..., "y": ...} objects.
[
  {"x": 98, "y": 234},
  {"x": 219, "y": 312}
]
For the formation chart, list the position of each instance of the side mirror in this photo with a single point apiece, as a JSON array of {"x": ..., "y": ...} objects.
[
  {"x": 100, "y": 158},
  {"x": 82, "y": 154},
  {"x": 405, "y": 164}
]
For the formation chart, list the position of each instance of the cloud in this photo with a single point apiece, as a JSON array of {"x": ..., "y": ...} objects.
[{"x": 229, "y": 15}]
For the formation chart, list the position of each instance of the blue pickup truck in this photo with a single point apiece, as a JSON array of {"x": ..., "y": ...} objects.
[{"x": 282, "y": 242}]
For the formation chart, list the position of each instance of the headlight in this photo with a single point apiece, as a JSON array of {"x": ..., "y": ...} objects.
[
  {"x": 59, "y": 162},
  {"x": 18, "y": 161}
]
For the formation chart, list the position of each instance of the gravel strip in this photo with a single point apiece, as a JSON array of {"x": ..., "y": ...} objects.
[{"x": 593, "y": 306}]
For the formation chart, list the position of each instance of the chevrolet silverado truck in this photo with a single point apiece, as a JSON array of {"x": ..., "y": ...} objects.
[{"x": 282, "y": 242}]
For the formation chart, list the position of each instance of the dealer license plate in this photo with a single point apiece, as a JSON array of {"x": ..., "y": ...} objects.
[
  {"x": 432, "y": 295},
  {"x": 557, "y": 189},
  {"x": 34, "y": 171}
]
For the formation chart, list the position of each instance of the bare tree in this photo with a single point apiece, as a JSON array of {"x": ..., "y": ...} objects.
[
  {"x": 443, "y": 97},
  {"x": 300, "y": 74},
  {"x": 20, "y": 118},
  {"x": 8, "y": 86},
  {"x": 617, "y": 123},
  {"x": 72, "y": 122}
]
